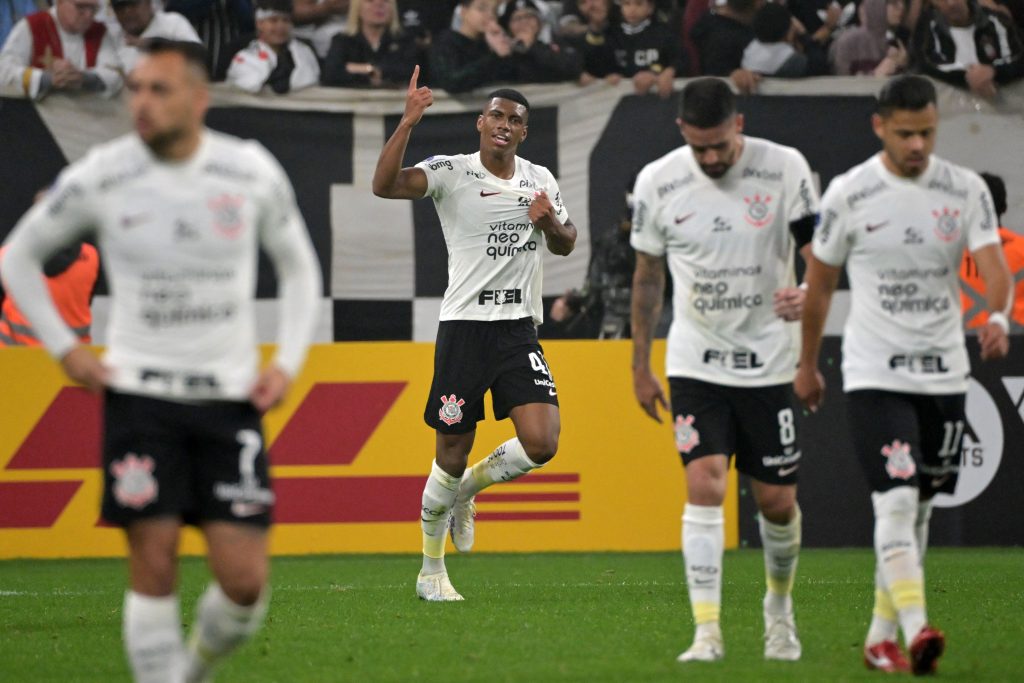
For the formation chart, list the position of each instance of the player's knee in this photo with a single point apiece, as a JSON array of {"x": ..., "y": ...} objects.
[
  {"x": 244, "y": 589},
  {"x": 541, "y": 450}
]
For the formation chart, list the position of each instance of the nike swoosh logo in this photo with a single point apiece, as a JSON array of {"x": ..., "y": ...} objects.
[
  {"x": 877, "y": 226},
  {"x": 783, "y": 471},
  {"x": 703, "y": 582},
  {"x": 683, "y": 219},
  {"x": 552, "y": 392},
  {"x": 488, "y": 194}
]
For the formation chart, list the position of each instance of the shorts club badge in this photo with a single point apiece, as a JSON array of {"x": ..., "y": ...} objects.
[
  {"x": 135, "y": 486},
  {"x": 451, "y": 409},
  {"x": 898, "y": 463},
  {"x": 687, "y": 437}
]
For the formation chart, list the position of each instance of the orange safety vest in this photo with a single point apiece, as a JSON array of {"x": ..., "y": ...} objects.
[
  {"x": 46, "y": 45},
  {"x": 70, "y": 290},
  {"x": 972, "y": 287}
]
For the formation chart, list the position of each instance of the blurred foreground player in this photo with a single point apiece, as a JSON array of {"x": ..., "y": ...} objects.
[{"x": 179, "y": 213}]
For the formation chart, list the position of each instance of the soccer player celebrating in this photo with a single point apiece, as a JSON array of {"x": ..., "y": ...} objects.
[
  {"x": 900, "y": 221},
  {"x": 497, "y": 211},
  {"x": 180, "y": 212},
  {"x": 728, "y": 212}
]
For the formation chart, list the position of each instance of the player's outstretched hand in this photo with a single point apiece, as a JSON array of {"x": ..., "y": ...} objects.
[
  {"x": 417, "y": 99},
  {"x": 649, "y": 393},
  {"x": 994, "y": 342},
  {"x": 85, "y": 368},
  {"x": 788, "y": 303},
  {"x": 541, "y": 211},
  {"x": 270, "y": 388},
  {"x": 809, "y": 387}
]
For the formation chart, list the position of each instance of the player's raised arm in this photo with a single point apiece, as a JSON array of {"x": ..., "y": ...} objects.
[
  {"x": 821, "y": 280},
  {"x": 390, "y": 180},
  {"x": 648, "y": 293}
]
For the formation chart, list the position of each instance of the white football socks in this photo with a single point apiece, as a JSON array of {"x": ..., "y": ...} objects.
[
  {"x": 781, "y": 551},
  {"x": 507, "y": 462},
  {"x": 221, "y": 626},
  {"x": 898, "y": 557},
  {"x": 438, "y": 498},
  {"x": 152, "y": 637},
  {"x": 703, "y": 542}
]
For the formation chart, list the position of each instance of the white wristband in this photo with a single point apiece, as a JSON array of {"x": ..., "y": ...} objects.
[{"x": 999, "y": 318}]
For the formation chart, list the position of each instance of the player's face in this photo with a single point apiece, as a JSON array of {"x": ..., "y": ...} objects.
[
  {"x": 715, "y": 149},
  {"x": 908, "y": 138},
  {"x": 502, "y": 126},
  {"x": 168, "y": 99}
]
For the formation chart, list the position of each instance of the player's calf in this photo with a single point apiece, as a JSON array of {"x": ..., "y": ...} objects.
[{"x": 222, "y": 625}]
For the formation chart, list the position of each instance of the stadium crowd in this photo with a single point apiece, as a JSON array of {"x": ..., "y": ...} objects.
[{"x": 279, "y": 46}]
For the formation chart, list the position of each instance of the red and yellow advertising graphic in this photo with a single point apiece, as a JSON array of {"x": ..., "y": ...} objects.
[{"x": 350, "y": 453}]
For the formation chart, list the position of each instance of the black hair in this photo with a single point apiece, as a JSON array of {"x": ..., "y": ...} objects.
[
  {"x": 909, "y": 93},
  {"x": 509, "y": 94},
  {"x": 193, "y": 53},
  {"x": 706, "y": 102},
  {"x": 772, "y": 23},
  {"x": 997, "y": 188},
  {"x": 282, "y": 6},
  {"x": 742, "y": 6}
]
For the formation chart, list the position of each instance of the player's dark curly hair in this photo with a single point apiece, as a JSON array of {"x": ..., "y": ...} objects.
[
  {"x": 909, "y": 93},
  {"x": 706, "y": 102}
]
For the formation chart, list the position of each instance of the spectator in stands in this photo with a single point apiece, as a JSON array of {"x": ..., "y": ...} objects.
[
  {"x": 11, "y": 11},
  {"x": 721, "y": 36},
  {"x": 547, "y": 15},
  {"x": 475, "y": 54},
  {"x": 534, "y": 60},
  {"x": 645, "y": 49},
  {"x": 138, "y": 20},
  {"x": 423, "y": 20},
  {"x": 777, "y": 49},
  {"x": 873, "y": 48},
  {"x": 372, "y": 52},
  {"x": 593, "y": 42},
  {"x": 319, "y": 21},
  {"x": 275, "y": 58},
  {"x": 964, "y": 44},
  {"x": 221, "y": 24},
  {"x": 71, "y": 276},
  {"x": 972, "y": 287},
  {"x": 62, "y": 49},
  {"x": 821, "y": 19}
]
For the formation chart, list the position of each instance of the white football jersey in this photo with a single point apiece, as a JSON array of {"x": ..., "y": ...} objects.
[
  {"x": 902, "y": 240},
  {"x": 729, "y": 248},
  {"x": 179, "y": 244},
  {"x": 494, "y": 251}
]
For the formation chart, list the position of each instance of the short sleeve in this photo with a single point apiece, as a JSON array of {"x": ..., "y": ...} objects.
[
  {"x": 555, "y": 194},
  {"x": 980, "y": 221},
  {"x": 442, "y": 172},
  {"x": 831, "y": 244},
  {"x": 646, "y": 236},
  {"x": 804, "y": 201}
]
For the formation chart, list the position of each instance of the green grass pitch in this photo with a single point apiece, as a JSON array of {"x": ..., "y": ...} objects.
[{"x": 538, "y": 617}]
